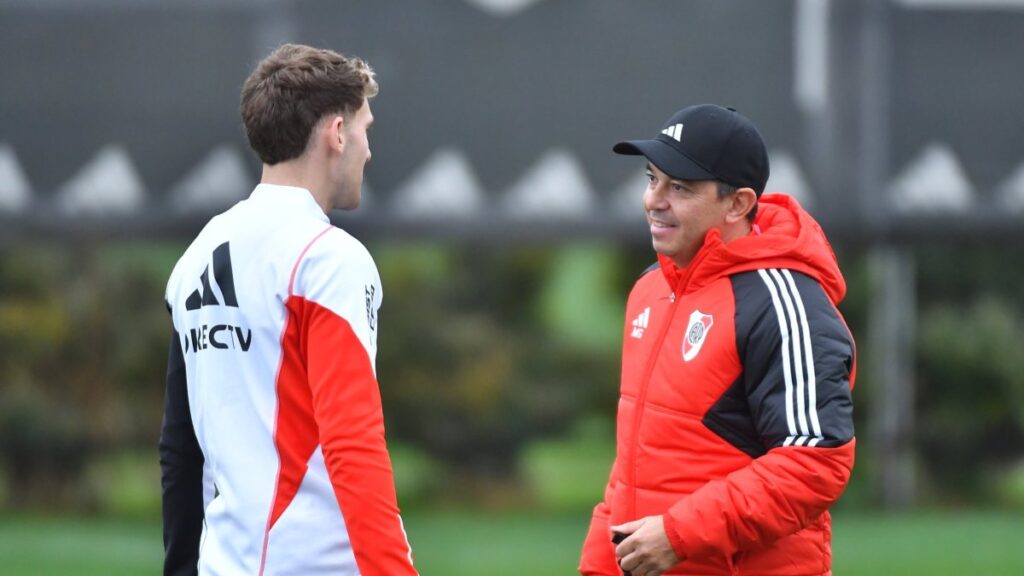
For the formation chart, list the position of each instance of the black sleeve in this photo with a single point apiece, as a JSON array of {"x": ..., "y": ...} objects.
[
  {"x": 181, "y": 465},
  {"x": 797, "y": 356}
]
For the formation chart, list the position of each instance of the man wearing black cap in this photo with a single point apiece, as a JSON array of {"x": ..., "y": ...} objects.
[{"x": 735, "y": 430}]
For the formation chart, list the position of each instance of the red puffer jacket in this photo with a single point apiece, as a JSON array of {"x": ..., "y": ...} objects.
[{"x": 735, "y": 415}]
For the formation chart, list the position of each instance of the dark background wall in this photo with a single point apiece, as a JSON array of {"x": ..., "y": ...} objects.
[{"x": 504, "y": 91}]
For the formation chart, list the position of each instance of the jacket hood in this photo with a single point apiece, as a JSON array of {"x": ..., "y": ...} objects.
[{"x": 784, "y": 235}]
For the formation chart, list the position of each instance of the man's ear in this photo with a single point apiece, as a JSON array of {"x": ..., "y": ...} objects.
[
  {"x": 741, "y": 203},
  {"x": 335, "y": 133}
]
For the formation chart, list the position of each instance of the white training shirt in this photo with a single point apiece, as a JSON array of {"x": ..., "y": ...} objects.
[{"x": 275, "y": 312}]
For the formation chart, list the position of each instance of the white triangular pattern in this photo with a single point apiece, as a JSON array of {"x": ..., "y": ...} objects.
[
  {"x": 555, "y": 186},
  {"x": 107, "y": 184},
  {"x": 502, "y": 7},
  {"x": 627, "y": 201},
  {"x": 786, "y": 177},
  {"x": 444, "y": 186},
  {"x": 1010, "y": 194},
  {"x": 218, "y": 181},
  {"x": 933, "y": 182},
  {"x": 15, "y": 191}
]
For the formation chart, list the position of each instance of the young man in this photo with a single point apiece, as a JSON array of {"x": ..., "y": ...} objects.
[
  {"x": 272, "y": 449},
  {"x": 735, "y": 430}
]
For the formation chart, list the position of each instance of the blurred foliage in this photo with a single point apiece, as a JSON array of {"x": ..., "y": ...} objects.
[
  {"x": 85, "y": 339},
  {"x": 499, "y": 370},
  {"x": 570, "y": 473},
  {"x": 477, "y": 356},
  {"x": 971, "y": 393},
  {"x": 126, "y": 483},
  {"x": 1008, "y": 486},
  {"x": 970, "y": 372},
  {"x": 419, "y": 479}
]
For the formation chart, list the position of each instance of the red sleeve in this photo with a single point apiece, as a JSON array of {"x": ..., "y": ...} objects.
[
  {"x": 598, "y": 557},
  {"x": 777, "y": 494},
  {"x": 347, "y": 408}
]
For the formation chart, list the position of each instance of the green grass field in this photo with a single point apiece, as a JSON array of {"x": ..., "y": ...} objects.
[{"x": 475, "y": 543}]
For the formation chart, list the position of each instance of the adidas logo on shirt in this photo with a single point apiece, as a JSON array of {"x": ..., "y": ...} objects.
[
  {"x": 675, "y": 132},
  {"x": 223, "y": 277},
  {"x": 640, "y": 324},
  {"x": 216, "y": 336}
]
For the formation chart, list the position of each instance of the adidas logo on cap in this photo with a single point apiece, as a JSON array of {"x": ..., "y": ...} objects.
[{"x": 675, "y": 132}]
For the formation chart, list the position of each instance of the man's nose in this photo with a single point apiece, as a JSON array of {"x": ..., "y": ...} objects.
[{"x": 654, "y": 198}]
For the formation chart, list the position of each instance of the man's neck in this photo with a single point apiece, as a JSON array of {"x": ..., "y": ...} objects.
[
  {"x": 737, "y": 230},
  {"x": 727, "y": 233},
  {"x": 297, "y": 173}
]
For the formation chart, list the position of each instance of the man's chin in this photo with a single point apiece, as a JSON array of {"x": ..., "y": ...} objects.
[
  {"x": 661, "y": 248},
  {"x": 349, "y": 204},
  {"x": 669, "y": 252}
]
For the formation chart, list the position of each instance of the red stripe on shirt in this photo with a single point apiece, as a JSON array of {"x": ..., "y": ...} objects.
[
  {"x": 295, "y": 434},
  {"x": 328, "y": 396},
  {"x": 347, "y": 408}
]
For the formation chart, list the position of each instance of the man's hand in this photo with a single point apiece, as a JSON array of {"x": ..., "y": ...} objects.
[{"x": 646, "y": 551}]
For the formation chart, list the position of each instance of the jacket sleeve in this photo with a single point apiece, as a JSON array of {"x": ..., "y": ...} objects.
[
  {"x": 340, "y": 342},
  {"x": 798, "y": 360},
  {"x": 181, "y": 467},
  {"x": 598, "y": 557}
]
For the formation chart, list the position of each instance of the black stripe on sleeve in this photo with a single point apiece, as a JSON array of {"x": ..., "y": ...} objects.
[
  {"x": 797, "y": 355},
  {"x": 181, "y": 465}
]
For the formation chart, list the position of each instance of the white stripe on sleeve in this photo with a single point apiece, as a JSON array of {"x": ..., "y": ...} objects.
[
  {"x": 784, "y": 331},
  {"x": 812, "y": 383},
  {"x": 797, "y": 351}
]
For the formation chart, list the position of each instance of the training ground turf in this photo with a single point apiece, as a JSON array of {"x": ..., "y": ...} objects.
[{"x": 474, "y": 543}]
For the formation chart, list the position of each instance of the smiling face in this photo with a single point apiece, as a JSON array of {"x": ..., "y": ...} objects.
[{"x": 681, "y": 212}]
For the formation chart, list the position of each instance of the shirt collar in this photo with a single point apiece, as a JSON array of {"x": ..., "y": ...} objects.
[{"x": 288, "y": 197}]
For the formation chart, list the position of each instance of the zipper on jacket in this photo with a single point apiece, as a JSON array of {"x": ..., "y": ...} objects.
[{"x": 641, "y": 400}]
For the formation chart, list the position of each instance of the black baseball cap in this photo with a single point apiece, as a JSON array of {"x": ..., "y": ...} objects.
[{"x": 707, "y": 142}]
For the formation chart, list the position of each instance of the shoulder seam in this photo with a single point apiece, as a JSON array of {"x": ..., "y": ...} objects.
[{"x": 295, "y": 267}]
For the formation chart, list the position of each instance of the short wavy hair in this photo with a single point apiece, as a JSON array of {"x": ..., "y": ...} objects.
[{"x": 292, "y": 89}]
